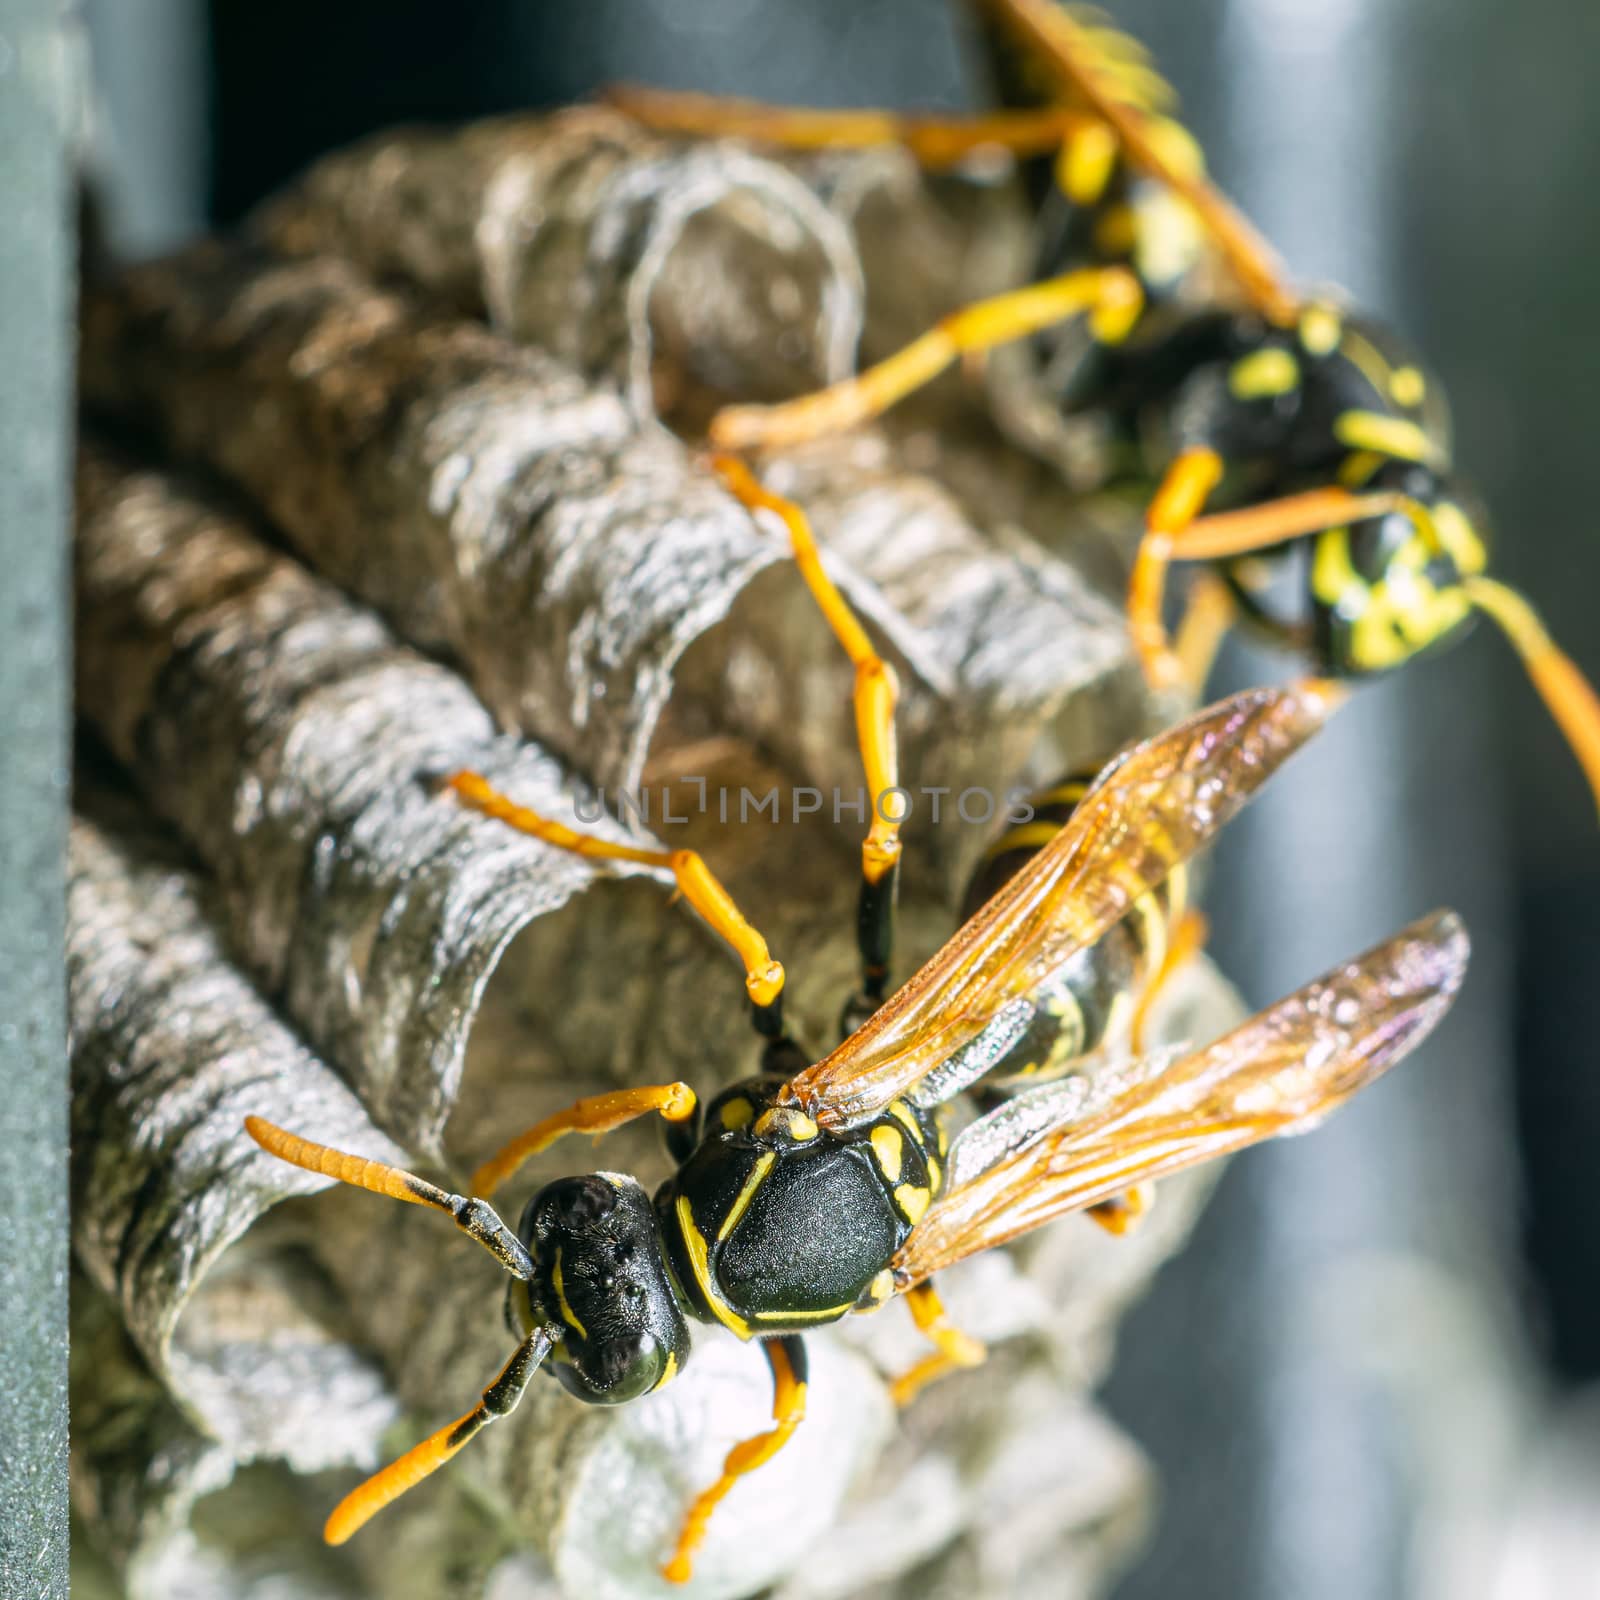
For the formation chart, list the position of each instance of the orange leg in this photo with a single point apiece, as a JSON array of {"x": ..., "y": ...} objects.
[
  {"x": 1109, "y": 296},
  {"x": 1176, "y": 531},
  {"x": 1209, "y": 613},
  {"x": 875, "y": 695},
  {"x": 954, "y": 1349},
  {"x": 786, "y": 1356},
  {"x": 1123, "y": 1213},
  {"x": 474, "y": 1216},
  {"x": 935, "y": 141},
  {"x": 1563, "y": 688},
  {"x": 597, "y": 1114},
  {"x": 499, "y": 1399},
  {"x": 763, "y": 975},
  {"x": 1188, "y": 940}
]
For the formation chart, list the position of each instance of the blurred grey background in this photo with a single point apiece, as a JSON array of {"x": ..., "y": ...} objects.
[{"x": 1371, "y": 1374}]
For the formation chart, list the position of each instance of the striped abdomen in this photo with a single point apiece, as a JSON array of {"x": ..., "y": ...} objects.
[{"x": 1091, "y": 1000}]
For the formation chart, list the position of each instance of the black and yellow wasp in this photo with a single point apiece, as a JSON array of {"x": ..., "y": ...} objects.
[
  {"x": 817, "y": 1189},
  {"x": 1296, "y": 450}
]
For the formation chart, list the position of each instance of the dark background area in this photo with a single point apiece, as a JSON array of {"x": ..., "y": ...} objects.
[{"x": 1354, "y": 1379}]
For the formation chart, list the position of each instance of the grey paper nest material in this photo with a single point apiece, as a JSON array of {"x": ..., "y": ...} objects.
[
  {"x": 171, "y": 1047},
  {"x": 649, "y": 262},
  {"x": 502, "y": 514},
  {"x": 299, "y": 746}
]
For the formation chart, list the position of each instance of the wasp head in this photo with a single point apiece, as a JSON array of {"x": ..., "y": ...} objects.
[{"x": 602, "y": 1281}]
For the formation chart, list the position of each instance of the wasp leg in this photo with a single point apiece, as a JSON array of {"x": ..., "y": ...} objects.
[
  {"x": 954, "y": 1348},
  {"x": 1188, "y": 940},
  {"x": 1123, "y": 1212},
  {"x": 1089, "y": 63},
  {"x": 1562, "y": 686},
  {"x": 1176, "y": 531},
  {"x": 597, "y": 1114},
  {"x": 786, "y": 1355},
  {"x": 1109, "y": 296},
  {"x": 499, "y": 1400},
  {"x": 695, "y": 880},
  {"x": 876, "y": 692},
  {"x": 1208, "y": 614},
  {"x": 935, "y": 141},
  {"x": 474, "y": 1216}
]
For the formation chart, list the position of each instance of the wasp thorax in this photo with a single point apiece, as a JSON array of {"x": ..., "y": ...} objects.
[{"x": 602, "y": 1281}]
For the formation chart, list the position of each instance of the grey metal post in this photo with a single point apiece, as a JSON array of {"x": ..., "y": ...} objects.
[{"x": 35, "y": 433}]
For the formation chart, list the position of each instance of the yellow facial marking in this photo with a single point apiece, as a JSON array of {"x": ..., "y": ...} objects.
[
  {"x": 1334, "y": 579},
  {"x": 1460, "y": 539},
  {"x": 1358, "y": 467},
  {"x": 737, "y": 1113},
  {"x": 1407, "y": 387},
  {"x": 668, "y": 1372},
  {"x": 1263, "y": 374},
  {"x": 694, "y": 1243},
  {"x": 568, "y": 1315},
  {"x": 1389, "y": 436},
  {"x": 757, "y": 1174},
  {"x": 1320, "y": 328},
  {"x": 913, "y": 1201},
  {"x": 889, "y": 1149}
]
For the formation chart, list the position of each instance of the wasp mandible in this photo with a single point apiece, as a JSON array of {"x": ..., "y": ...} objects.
[
  {"x": 1296, "y": 450},
  {"x": 814, "y": 1190}
]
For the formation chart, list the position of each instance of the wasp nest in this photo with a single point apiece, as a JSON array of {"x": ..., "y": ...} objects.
[{"x": 379, "y": 490}]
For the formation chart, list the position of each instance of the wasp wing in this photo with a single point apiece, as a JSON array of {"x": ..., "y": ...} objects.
[
  {"x": 1149, "y": 810},
  {"x": 1281, "y": 1072},
  {"x": 1088, "y": 64}
]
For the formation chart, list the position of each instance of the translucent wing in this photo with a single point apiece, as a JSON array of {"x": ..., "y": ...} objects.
[
  {"x": 1088, "y": 69},
  {"x": 1282, "y": 1072},
  {"x": 1148, "y": 811}
]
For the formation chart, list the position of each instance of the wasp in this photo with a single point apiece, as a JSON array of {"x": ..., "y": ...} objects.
[
  {"x": 1297, "y": 451},
  {"x": 817, "y": 1189}
]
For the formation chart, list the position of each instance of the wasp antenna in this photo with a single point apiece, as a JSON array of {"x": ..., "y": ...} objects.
[{"x": 1561, "y": 684}]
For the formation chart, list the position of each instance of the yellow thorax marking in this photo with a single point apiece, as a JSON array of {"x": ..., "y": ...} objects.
[
  {"x": 829, "y": 1314},
  {"x": 741, "y": 1205},
  {"x": 737, "y": 1113},
  {"x": 568, "y": 1315},
  {"x": 1390, "y": 436},
  {"x": 1263, "y": 374},
  {"x": 889, "y": 1148},
  {"x": 901, "y": 1113},
  {"x": 1320, "y": 327},
  {"x": 785, "y": 1121},
  {"x": 1407, "y": 387},
  {"x": 695, "y": 1243},
  {"x": 913, "y": 1200}
]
